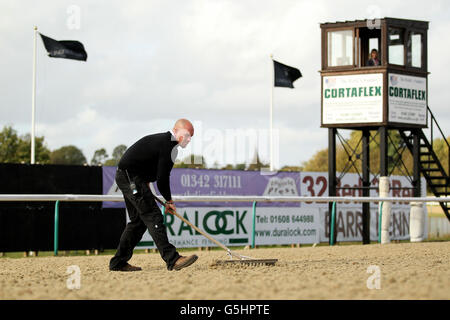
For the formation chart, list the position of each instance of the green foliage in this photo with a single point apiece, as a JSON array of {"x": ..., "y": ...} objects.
[
  {"x": 256, "y": 164},
  {"x": 42, "y": 153},
  {"x": 116, "y": 155},
  {"x": 119, "y": 151},
  {"x": 228, "y": 167},
  {"x": 9, "y": 144},
  {"x": 192, "y": 161},
  {"x": 319, "y": 161},
  {"x": 99, "y": 157},
  {"x": 240, "y": 166},
  {"x": 440, "y": 147},
  {"x": 111, "y": 163},
  {"x": 68, "y": 155},
  {"x": 291, "y": 168},
  {"x": 17, "y": 149}
]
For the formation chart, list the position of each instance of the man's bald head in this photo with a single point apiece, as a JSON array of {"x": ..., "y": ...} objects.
[
  {"x": 183, "y": 131},
  {"x": 184, "y": 124}
]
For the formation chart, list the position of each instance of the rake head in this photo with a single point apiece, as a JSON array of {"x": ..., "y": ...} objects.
[
  {"x": 244, "y": 260},
  {"x": 238, "y": 258},
  {"x": 251, "y": 262}
]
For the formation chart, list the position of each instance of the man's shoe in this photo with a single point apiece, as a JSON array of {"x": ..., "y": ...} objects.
[
  {"x": 127, "y": 268},
  {"x": 184, "y": 262}
]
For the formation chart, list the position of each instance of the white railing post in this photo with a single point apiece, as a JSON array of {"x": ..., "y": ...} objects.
[
  {"x": 385, "y": 210},
  {"x": 416, "y": 222}
]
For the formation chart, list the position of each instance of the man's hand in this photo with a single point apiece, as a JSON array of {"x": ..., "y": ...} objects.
[{"x": 170, "y": 207}]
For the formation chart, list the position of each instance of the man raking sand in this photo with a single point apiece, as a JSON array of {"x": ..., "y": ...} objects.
[{"x": 148, "y": 160}]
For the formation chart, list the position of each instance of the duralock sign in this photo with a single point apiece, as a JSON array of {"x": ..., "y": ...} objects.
[{"x": 238, "y": 224}]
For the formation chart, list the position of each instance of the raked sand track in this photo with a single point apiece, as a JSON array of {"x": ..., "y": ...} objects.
[{"x": 408, "y": 271}]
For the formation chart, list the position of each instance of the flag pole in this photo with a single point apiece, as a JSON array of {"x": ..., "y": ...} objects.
[
  {"x": 33, "y": 99},
  {"x": 272, "y": 83}
]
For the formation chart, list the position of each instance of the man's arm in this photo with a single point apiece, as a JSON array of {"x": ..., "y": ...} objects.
[
  {"x": 165, "y": 165},
  {"x": 163, "y": 182}
]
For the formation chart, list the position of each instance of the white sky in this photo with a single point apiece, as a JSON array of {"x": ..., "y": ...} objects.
[{"x": 151, "y": 62}]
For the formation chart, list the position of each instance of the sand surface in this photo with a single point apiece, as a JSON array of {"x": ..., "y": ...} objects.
[{"x": 407, "y": 271}]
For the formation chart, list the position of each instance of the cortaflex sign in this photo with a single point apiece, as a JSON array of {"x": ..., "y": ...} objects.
[
  {"x": 407, "y": 99},
  {"x": 374, "y": 98},
  {"x": 352, "y": 99}
]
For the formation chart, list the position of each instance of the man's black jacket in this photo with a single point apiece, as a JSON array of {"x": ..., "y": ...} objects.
[{"x": 150, "y": 158}]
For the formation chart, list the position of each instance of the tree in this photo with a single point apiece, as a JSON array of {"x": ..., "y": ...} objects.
[
  {"x": 238, "y": 166},
  {"x": 215, "y": 165},
  {"x": 119, "y": 151},
  {"x": 9, "y": 143},
  {"x": 291, "y": 168},
  {"x": 256, "y": 164},
  {"x": 68, "y": 155},
  {"x": 192, "y": 161},
  {"x": 441, "y": 149},
  {"x": 116, "y": 155},
  {"x": 111, "y": 163},
  {"x": 17, "y": 149},
  {"x": 41, "y": 152},
  {"x": 99, "y": 157},
  {"x": 318, "y": 162}
]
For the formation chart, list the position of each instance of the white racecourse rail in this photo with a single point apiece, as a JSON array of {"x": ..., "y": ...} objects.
[
  {"x": 89, "y": 198},
  {"x": 249, "y": 224}
]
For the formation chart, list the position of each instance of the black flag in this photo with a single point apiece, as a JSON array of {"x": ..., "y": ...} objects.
[
  {"x": 285, "y": 75},
  {"x": 67, "y": 49}
]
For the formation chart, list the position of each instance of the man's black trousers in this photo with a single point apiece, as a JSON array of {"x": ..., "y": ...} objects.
[{"x": 144, "y": 214}]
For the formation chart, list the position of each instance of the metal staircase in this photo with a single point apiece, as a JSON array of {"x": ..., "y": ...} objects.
[{"x": 437, "y": 178}]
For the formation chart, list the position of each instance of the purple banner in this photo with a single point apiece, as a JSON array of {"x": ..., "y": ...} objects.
[
  {"x": 110, "y": 187},
  {"x": 206, "y": 182}
]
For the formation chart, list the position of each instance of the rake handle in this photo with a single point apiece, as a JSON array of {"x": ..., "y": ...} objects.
[{"x": 193, "y": 226}]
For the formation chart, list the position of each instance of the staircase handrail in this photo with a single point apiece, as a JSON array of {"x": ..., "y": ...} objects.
[{"x": 433, "y": 119}]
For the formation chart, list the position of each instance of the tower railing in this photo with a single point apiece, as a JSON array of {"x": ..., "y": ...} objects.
[{"x": 432, "y": 124}]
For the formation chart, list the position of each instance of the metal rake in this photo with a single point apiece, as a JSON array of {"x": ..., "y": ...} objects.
[{"x": 234, "y": 258}]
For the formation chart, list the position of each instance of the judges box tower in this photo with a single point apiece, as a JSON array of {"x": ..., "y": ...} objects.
[{"x": 374, "y": 79}]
